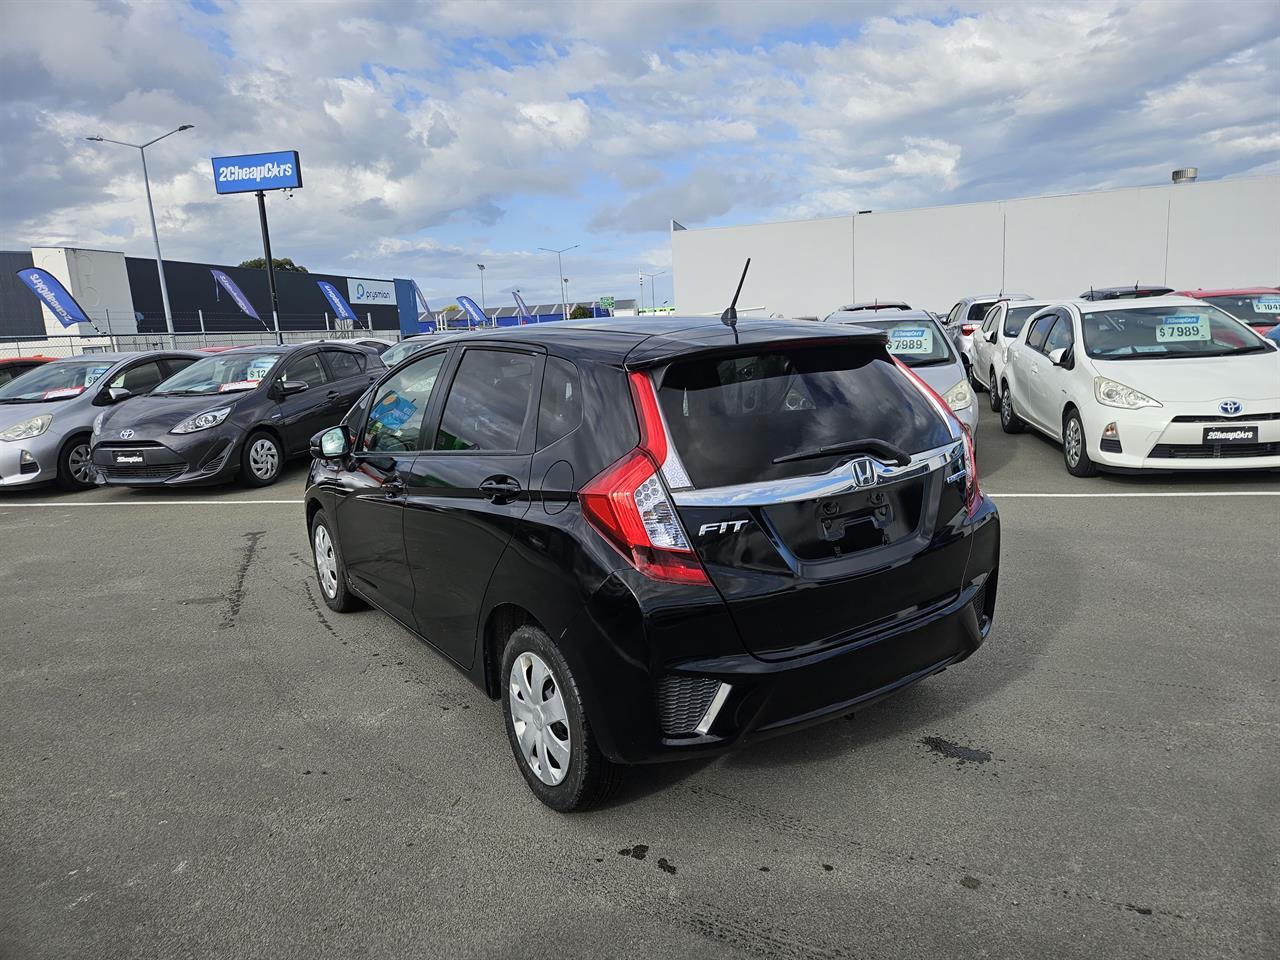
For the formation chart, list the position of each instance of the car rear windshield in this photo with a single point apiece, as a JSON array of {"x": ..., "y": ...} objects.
[
  {"x": 731, "y": 418},
  {"x": 55, "y": 381},
  {"x": 1257, "y": 308},
  {"x": 1016, "y": 318},
  {"x": 1154, "y": 333},
  {"x": 221, "y": 373}
]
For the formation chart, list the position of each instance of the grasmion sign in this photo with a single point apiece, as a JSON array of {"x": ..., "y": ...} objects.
[{"x": 257, "y": 171}]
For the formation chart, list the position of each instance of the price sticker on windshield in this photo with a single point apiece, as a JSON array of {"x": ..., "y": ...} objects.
[
  {"x": 911, "y": 340},
  {"x": 1178, "y": 329},
  {"x": 259, "y": 367},
  {"x": 93, "y": 374},
  {"x": 1267, "y": 305}
]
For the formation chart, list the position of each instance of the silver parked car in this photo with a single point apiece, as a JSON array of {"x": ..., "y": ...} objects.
[
  {"x": 47, "y": 414},
  {"x": 967, "y": 315},
  {"x": 917, "y": 340}
]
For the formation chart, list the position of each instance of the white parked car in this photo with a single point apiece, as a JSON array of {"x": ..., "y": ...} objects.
[
  {"x": 1162, "y": 383},
  {"x": 966, "y": 316},
  {"x": 984, "y": 356}
]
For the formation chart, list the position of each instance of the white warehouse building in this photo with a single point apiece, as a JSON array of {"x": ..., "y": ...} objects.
[{"x": 1212, "y": 234}]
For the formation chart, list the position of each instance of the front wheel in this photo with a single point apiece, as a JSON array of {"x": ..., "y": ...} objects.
[
  {"x": 1010, "y": 422},
  {"x": 75, "y": 464},
  {"x": 330, "y": 571},
  {"x": 261, "y": 460},
  {"x": 1074, "y": 452},
  {"x": 547, "y": 726}
]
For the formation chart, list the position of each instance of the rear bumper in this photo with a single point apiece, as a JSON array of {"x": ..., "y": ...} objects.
[{"x": 682, "y": 709}]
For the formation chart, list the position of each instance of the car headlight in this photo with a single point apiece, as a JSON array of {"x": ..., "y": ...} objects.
[
  {"x": 28, "y": 428},
  {"x": 210, "y": 418},
  {"x": 959, "y": 396},
  {"x": 1112, "y": 394},
  {"x": 97, "y": 422}
]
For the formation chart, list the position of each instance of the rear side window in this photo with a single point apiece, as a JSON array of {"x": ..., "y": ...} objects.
[
  {"x": 560, "y": 411},
  {"x": 307, "y": 369},
  {"x": 731, "y": 418},
  {"x": 343, "y": 364},
  {"x": 488, "y": 402},
  {"x": 1016, "y": 319}
]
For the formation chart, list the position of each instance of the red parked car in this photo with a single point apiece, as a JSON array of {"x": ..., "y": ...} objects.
[
  {"x": 1259, "y": 307},
  {"x": 13, "y": 367}
]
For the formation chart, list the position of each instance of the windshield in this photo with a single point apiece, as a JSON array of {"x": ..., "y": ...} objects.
[
  {"x": 1016, "y": 318},
  {"x": 60, "y": 380},
  {"x": 1259, "y": 308},
  {"x": 732, "y": 419},
  {"x": 917, "y": 343},
  {"x": 394, "y": 355},
  {"x": 1153, "y": 333},
  {"x": 221, "y": 373}
]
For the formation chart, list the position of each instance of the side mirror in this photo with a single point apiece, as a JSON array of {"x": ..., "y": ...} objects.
[
  {"x": 1059, "y": 357},
  {"x": 991, "y": 337},
  {"x": 330, "y": 444},
  {"x": 116, "y": 394},
  {"x": 289, "y": 387}
]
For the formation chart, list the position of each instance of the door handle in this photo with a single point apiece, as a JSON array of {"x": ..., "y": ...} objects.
[
  {"x": 500, "y": 489},
  {"x": 393, "y": 487}
]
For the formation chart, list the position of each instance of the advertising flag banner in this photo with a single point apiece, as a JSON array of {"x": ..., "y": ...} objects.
[
  {"x": 236, "y": 293},
  {"x": 525, "y": 315},
  {"x": 340, "y": 306},
  {"x": 474, "y": 312},
  {"x": 54, "y": 296}
]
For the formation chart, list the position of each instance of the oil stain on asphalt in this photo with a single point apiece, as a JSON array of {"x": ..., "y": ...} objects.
[{"x": 955, "y": 751}]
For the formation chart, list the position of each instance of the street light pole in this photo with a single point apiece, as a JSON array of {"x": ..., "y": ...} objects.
[
  {"x": 564, "y": 306},
  {"x": 480, "y": 267},
  {"x": 151, "y": 212},
  {"x": 653, "y": 287}
]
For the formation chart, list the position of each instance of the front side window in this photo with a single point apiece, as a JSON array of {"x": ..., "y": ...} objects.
[
  {"x": 396, "y": 417},
  {"x": 993, "y": 315},
  {"x": 1154, "y": 333},
  {"x": 1060, "y": 336},
  {"x": 55, "y": 381},
  {"x": 221, "y": 373},
  {"x": 140, "y": 379},
  {"x": 488, "y": 402}
]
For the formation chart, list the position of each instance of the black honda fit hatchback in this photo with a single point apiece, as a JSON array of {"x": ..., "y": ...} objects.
[{"x": 658, "y": 538}]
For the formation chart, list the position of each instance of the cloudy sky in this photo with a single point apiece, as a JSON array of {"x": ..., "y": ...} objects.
[{"x": 437, "y": 135}]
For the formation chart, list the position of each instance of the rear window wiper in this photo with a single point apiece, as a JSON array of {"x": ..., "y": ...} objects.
[{"x": 883, "y": 449}]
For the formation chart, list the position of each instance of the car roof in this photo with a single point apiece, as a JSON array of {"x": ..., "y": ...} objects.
[
  {"x": 644, "y": 341},
  {"x": 874, "y": 305},
  {"x": 1129, "y": 303},
  {"x": 118, "y": 355},
  {"x": 996, "y": 296},
  {"x": 1235, "y": 292},
  {"x": 895, "y": 317}
]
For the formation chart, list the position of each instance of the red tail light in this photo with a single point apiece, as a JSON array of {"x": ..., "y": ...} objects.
[
  {"x": 628, "y": 505},
  {"x": 968, "y": 328},
  {"x": 972, "y": 491}
]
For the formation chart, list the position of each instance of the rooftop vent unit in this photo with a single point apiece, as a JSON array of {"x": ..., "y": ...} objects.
[{"x": 1186, "y": 174}]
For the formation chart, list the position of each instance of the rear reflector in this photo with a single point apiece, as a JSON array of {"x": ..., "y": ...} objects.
[{"x": 628, "y": 505}]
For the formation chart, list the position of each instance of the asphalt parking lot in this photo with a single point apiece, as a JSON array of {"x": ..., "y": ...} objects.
[{"x": 199, "y": 759}]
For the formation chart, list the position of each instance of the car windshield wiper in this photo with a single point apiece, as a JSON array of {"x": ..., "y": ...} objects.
[
  {"x": 28, "y": 399},
  {"x": 881, "y": 448}
]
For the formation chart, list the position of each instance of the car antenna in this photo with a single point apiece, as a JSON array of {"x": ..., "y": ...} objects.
[{"x": 730, "y": 316}]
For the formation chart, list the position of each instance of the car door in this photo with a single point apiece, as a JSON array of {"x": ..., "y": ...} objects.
[
  {"x": 1022, "y": 368},
  {"x": 306, "y": 413},
  {"x": 370, "y": 511},
  {"x": 465, "y": 496},
  {"x": 1053, "y": 379},
  {"x": 350, "y": 376},
  {"x": 982, "y": 349},
  {"x": 1036, "y": 365}
]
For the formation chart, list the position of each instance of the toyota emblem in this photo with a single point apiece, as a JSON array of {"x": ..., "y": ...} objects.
[
  {"x": 126, "y": 434},
  {"x": 1230, "y": 407}
]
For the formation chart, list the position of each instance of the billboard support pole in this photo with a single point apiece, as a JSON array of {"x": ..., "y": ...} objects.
[
  {"x": 271, "y": 272},
  {"x": 200, "y": 316}
]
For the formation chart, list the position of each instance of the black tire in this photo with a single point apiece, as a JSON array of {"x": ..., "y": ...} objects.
[
  {"x": 994, "y": 392},
  {"x": 974, "y": 383},
  {"x": 1010, "y": 422},
  {"x": 589, "y": 777},
  {"x": 333, "y": 587},
  {"x": 1075, "y": 451},
  {"x": 74, "y": 453},
  {"x": 255, "y": 459}
]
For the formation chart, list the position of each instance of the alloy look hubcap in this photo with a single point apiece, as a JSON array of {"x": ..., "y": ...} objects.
[
  {"x": 80, "y": 463},
  {"x": 264, "y": 459},
  {"x": 1073, "y": 441},
  {"x": 539, "y": 718},
  {"x": 1006, "y": 405},
  {"x": 326, "y": 562}
]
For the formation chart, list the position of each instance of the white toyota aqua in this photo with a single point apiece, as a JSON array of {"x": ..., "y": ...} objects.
[{"x": 1166, "y": 383}]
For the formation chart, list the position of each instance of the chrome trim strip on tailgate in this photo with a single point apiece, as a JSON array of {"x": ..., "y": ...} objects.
[{"x": 835, "y": 482}]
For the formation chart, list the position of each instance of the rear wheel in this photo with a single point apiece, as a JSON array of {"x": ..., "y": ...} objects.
[
  {"x": 75, "y": 464},
  {"x": 994, "y": 392},
  {"x": 261, "y": 460},
  {"x": 1010, "y": 422},
  {"x": 547, "y": 726},
  {"x": 1074, "y": 452}
]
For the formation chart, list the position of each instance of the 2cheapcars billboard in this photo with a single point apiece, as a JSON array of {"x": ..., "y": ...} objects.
[
  {"x": 371, "y": 291},
  {"x": 257, "y": 171}
]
